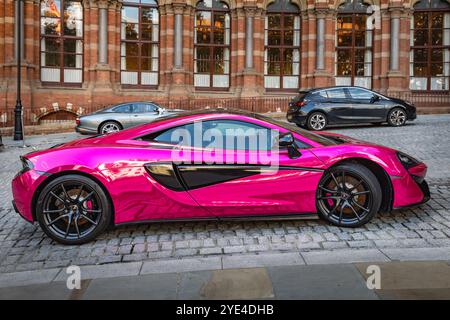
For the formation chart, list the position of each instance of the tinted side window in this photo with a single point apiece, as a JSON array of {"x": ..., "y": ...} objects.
[
  {"x": 144, "y": 107},
  {"x": 320, "y": 95},
  {"x": 336, "y": 94},
  {"x": 227, "y": 134},
  {"x": 122, "y": 109},
  {"x": 360, "y": 94}
]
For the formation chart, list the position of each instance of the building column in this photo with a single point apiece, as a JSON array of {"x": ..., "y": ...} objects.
[
  {"x": 178, "y": 40},
  {"x": 252, "y": 77},
  {"x": 179, "y": 49},
  {"x": 397, "y": 79},
  {"x": 249, "y": 41},
  {"x": 103, "y": 33},
  {"x": 321, "y": 35}
]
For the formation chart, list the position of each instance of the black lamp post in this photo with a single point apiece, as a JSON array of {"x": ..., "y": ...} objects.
[{"x": 18, "y": 125}]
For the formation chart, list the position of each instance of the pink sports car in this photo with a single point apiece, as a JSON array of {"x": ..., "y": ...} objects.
[{"x": 211, "y": 164}]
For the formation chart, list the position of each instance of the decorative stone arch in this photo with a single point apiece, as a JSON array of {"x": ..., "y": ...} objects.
[
  {"x": 337, "y": 3},
  {"x": 412, "y": 3},
  {"x": 230, "y": 3},
  {"x": 55, "y": 109},
  {"x": 301, "y": 4}
]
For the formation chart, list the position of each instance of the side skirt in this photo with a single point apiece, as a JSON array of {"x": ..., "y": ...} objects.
[{"x": 296, "y": 216}]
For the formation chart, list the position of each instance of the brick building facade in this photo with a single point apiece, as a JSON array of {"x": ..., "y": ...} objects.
[{"x": 80, "y": 55}]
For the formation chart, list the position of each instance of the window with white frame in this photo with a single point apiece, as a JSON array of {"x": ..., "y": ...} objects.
[
  {"x": 430, "y": 46},
  {"x": 139, "y": 48},
  {"x": 61, "y": 36},
  {"x": 282, "y": 46},
  {"x": 212, "y": 45},
  {"x": 353, "y": 64}
]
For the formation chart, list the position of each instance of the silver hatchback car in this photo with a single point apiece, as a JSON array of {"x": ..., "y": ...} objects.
[{"x": 120, "y": 116}]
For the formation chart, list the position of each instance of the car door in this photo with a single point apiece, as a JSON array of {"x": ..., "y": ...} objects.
[
  {"x": 338, "y": 105},
  {"x": 143, "y": 112},
  {"x": 367, "y": 106},
  {"x": 120, "y": 113},
  {"x": 244, "y": 180}
]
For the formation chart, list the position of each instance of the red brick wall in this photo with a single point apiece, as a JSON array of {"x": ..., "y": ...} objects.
[{"x": 101, "y": 85}]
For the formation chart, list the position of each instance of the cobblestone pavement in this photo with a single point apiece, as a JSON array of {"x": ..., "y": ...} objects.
[{"x": 24, "y": 247}]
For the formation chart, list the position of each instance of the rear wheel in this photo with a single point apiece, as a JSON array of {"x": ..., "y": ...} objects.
[
  {"x": 348, "y": 195},
  {"x": 317, "y": 121},
  {"x": 110, "y": 127},
  {"x": 73, "y": 209},
  {"x": 397, "y": 117}
]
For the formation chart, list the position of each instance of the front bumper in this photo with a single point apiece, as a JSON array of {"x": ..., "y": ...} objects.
[
  {"x": 411, "y": 189},
  {"x": 23, "y": 188}
]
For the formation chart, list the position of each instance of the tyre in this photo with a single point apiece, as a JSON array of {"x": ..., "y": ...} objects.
[
  {"x": 317, "y": 121},
  {"x": 349, "y": 195},
  {"x": 397, "y": 117},
  {"x": 73, "y": 209},
  {"x": 110, "y": 127}
]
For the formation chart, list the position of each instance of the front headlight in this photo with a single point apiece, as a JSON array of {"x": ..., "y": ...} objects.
[
  {"x": 406, "y": 160},
  {"x": 26, "y": 165}
]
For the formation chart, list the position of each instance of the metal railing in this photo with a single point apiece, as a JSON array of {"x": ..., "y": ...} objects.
[{"x": 422, "y": 101}]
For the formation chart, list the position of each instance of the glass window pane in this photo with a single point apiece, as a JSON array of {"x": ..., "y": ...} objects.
[
  {"x": 420, "y": 70},
  {"x": 437, "y": 55},
  {"x": 437, "y": 69},
  {"x": 146, "y": 64},
  {"x": 51, "y": 8},
  {"x": 437, "y": 20},
  {"x": 274, "y": 37},
  {"x": 147, "y": 15},
  {"x": 146, "y": 31},
  {"x": 50, "y": 44},
  {"x": 360, "y": 38},
  {"x": 131, "y": 49},
  {"x": 420, "y": 20},
  {"x": 420, "y": 37},
  {"x": 52, "y": 59},
  {"x": 344, "y": 56},
  {"x": 420, "y": 55},
  {"x": 131, "y": 63},
  {"x": 131, "y": 31},
  {"x": 203, "y": 53},
  {"x": 203, "y": 19},
  {"x": 344, "y": 69},
  {"x": 130, "y": 14},
  {"x": 50, "y": 26},
  {"x": 436, "y": 37},
  {"x": 345, "y": 38},
  {"x": 219, "y": 36},
  {"x": 146, "y": 50},
  {"x": 69, "y": 61},
  {"x": 274, "y": 21}
]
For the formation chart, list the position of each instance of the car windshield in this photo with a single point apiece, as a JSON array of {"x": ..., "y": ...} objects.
[{"x": 293, "y": 128}]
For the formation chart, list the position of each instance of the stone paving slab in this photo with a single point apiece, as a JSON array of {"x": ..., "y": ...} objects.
[
  {"x": 417, "y": 254},
  {"x": 24, "y": 246},
  {"x": 344, "y": 256},
  {"x": 262, "y": 260}
]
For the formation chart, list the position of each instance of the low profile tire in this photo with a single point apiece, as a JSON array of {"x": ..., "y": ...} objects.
[
  {"x": 397, "y": 117},
  {"x": 317, "y": 121},
  {"x": 110, "y": 127},
  {"x": 349, "y": 195},
  {"x": 73, "y": 209}
]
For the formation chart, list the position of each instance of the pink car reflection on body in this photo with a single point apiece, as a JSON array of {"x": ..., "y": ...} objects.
[{"x": 76, "y": 190}]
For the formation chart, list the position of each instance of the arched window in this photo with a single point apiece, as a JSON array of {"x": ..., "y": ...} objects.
[
  {"x": 282, "y": 46},
  {"x": 353, "y": 45},
  {"x": 139, "y": 49},
  {"x": 61, "y": 42},
  {"x": 430, "y": 46},
  {"x": 212, "y": 45}
]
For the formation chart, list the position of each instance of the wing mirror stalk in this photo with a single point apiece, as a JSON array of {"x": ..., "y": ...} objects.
[{"x": 286, "y": 140}]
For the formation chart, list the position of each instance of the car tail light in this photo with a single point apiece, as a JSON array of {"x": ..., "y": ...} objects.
[
  {"x": 300, "y": 104},
  {"x": 77, "y": 120}
]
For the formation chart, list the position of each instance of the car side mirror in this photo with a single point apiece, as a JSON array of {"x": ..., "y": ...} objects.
[
  {"x": 161, "y": 110},
  {"x": 287, "y": 140},
  {"x": 374, "y": 98}
]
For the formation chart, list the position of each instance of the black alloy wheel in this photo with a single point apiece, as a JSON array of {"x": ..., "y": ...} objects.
[
  {"x": 73, "y": 209},
  {"x": 348, "y": 195}
]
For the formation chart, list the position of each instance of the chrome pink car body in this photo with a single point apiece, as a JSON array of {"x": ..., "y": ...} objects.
[{"x": 117, "y": 162}]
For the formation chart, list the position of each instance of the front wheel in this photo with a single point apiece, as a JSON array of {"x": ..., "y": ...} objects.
[
  {"x": 348, "y": 195},
  {"x": 397, "y": 117},
  {"x": 73, "y": 209},
  {"x": 317, "y": 121}
]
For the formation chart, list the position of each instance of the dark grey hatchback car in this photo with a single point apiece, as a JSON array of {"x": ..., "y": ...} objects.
[{"x": 317, "y": 108}]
